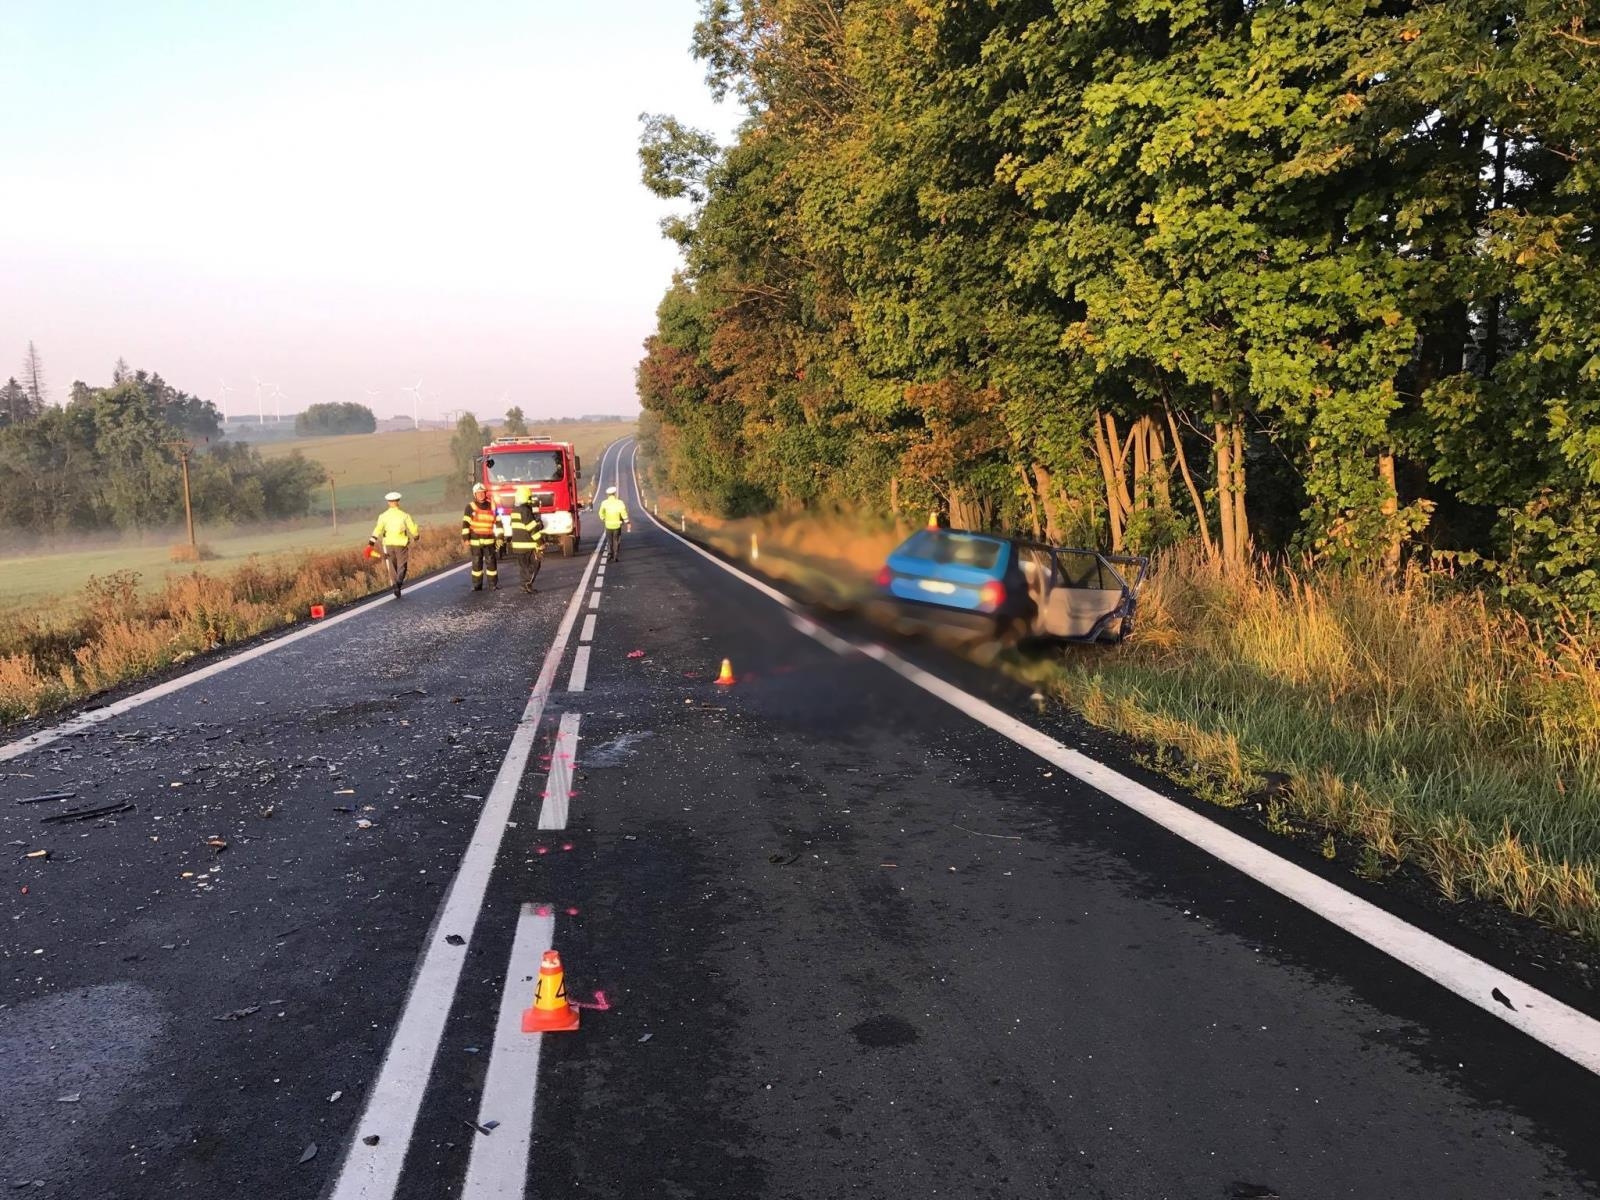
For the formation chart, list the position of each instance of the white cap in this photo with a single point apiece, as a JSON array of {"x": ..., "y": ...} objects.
[
  {"x": 392, "y": 496},
  {"x": 611, "y": 491},
  {"x": 478, "y": 487}
]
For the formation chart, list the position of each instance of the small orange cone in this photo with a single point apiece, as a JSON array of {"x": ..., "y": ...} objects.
[
  {"x": 550, "y": 1012},
  {"x": 726, "y": 677},
  {"x": 933, "y": 519}
]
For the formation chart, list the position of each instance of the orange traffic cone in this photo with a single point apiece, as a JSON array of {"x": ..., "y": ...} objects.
[
  {"x": 933, "y": 519},
  {"x": 726, "y": 677},
  {"x": 550, "y": 1012}
]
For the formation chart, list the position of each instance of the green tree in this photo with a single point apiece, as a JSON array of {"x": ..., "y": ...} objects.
[
  {"x": 516, "y": 424},
  {"x": 335, "y": 419},
  {"x": 466, "y": 445}
]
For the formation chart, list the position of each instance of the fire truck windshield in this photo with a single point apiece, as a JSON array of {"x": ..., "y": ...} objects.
[{"x": 526, "y": 466}]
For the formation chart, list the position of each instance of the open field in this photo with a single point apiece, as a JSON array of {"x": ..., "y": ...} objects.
[
  {"x": 1401, "y": 721},
  {"x": 365, "y": 466}
]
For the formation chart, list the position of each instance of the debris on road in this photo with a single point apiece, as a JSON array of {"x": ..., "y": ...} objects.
[
  {"x": 646, "y": 1038},
  {"x": 69, "y": 1098},
  {"x": 308, "y": 1153},
  {"x": 47, "y": 796},
  {"x": 363, "y": 823},
  {"x": 483, "y": 1129},
  {"x": 37, "y": 854},
  {"x": 370, "y": 1140},
  {"x": 455, "y": 939},
  {"x": 1503, "y": 998},
  {"x": 635, "y": 653},
  {"x": 217, "y": 844},
  {"x": 86, "y": 814},
  {"x": 334, "y": 1099},
  {"x": 239, "y": 1014}
]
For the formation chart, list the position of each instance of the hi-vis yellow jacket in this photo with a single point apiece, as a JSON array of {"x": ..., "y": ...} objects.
[
  {"x": 395, "y": 527},
  {"x": 613, "y": 512}
]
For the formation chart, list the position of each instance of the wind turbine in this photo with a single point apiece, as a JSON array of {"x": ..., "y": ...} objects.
[
  {"x": 416, "y": 403},
  {"x": 261, "y": 412},
  {"x": 277, "y": 403},
  {"x": 224, "y": 389}
]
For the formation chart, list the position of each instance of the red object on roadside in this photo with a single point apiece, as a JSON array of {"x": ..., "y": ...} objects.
[{"x": 318, "y": 612}]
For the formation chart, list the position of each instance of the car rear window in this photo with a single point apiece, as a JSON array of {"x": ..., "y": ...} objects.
[{"x": 953, "y": 549}]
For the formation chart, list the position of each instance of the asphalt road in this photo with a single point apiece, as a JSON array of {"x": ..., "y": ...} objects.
[{"x": 838, "y": 940}]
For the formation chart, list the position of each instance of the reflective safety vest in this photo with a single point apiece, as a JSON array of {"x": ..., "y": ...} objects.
[
  {"x": 395, "y": 527},
  {"x": 613, "y": 512},
  {"x": 477, "y": 524},
  {"x": 527, "y": 529}
]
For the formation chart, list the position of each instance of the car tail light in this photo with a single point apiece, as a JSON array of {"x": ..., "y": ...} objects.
[
  {"x": 991, "y": 595},
  {"x": 885, "y": 577}
]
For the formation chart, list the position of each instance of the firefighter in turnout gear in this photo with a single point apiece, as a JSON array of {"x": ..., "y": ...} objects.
[
  {"x": 395, "y": 531},
  {"x": 477, "y": 530},
  {"x": 527, "y": 537},
  {"x": 614, "y": 514}
]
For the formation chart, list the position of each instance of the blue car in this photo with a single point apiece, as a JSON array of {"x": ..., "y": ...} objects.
[{"x": 1011, "y": 589}]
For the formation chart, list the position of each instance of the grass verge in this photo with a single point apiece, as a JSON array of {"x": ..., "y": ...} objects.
[
  {"x": 52, "y": 656},
  {"x": 1412, "y": 719}
]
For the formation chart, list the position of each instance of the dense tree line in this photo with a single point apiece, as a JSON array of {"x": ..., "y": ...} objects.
[
  {"x": 107, "y": 461},
  {"x": 1313, "y": 276},
  {"x": 330, "y": 419}
]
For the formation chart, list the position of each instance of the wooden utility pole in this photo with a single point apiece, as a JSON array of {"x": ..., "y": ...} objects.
[
  {"x": 333, "y": 501},
  {"x": 184, "y": 449}
]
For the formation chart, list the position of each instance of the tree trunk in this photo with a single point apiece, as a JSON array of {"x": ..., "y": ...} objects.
[
  {"x": 1114, "y": 511},
  {"x": 1160, "y": 473},
  {"x": 1391, "y": 510},
  {"x": 1230, "y": 531},
  {"x": 894, "y": 496},
  {"x": 1141, "y": 462},
  {"x": 1047, "y": 498},
  {"x": 1240, "y": 513},
  {"x": 1194, "y": 492},
  {"x": 1033, "y": 499}
]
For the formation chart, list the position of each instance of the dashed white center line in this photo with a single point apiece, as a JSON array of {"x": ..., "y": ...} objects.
[
  {"x": 558, "y": 787},
  {"x": 498, "y": 1167},
  {"x": 588, "y": 628},
  {"x": 579, "y": 678},
  {"x": 594, "y": 600},
  {"x": 372, "y": 1171}
]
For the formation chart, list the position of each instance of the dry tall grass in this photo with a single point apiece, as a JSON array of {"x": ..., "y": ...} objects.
[
  {"x": 1410, "y": 714},
  {"x": 52, "y": 656}
]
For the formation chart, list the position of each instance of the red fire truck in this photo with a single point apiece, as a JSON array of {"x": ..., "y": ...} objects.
[{"x": 551, "y": 468}]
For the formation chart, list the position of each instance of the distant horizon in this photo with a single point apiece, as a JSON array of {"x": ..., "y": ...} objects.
[{"x": 341, "y": 204}]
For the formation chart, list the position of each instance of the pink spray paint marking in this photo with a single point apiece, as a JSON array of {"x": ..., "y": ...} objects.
[
  {"x": 572, "y": 912},
  {"x": 601, "y": 1004},
  {"x": 566, "y": 845},
  {"x": 541, "y": 849},
  {"x": 542, "y": 911}
]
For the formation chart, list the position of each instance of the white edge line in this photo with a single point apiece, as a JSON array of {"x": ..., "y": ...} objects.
[
  {"x": 498, "y": 1167},
  {"x": 95, "y": 716},
  {"x": 391, "y": 1108},
  {"x": 558, "y": 785},
  {"x": 1562, "y": 1028}
]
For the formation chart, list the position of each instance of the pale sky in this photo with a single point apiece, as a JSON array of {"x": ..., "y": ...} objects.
[{"x": 340, "y": 198}]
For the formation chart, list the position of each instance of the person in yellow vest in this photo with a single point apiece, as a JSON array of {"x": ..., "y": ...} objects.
[
  {"x": 527, "y": 537},
  {"x": 394, "y": 532},
  {"x": 478, "y": 532},
  {"x": 614, "y": 515}
]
